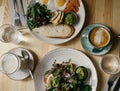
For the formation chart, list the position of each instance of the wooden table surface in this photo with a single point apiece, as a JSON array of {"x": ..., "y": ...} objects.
[{"x": 97, "y": 11}]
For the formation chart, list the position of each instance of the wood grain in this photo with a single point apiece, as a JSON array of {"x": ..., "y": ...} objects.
[{"x": 97, "y": 11}]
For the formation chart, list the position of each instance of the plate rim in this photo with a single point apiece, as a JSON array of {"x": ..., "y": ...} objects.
[
  {"x": 44, "y": 39},
  {"x": 70, "y": 49}
]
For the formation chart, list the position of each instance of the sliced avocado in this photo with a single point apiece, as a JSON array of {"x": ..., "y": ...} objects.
[
  {"x": 70, "y": 18},
  {"x": 82, "y": 72}
]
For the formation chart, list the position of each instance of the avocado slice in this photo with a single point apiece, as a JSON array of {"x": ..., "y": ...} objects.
[{"x": 82, "y": 73}]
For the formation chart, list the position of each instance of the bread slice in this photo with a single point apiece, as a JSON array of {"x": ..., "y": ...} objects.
[{"x": 55, "y": 31}]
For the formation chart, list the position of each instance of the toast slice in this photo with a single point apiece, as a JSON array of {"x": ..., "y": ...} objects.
[{"x": 55, "y": 31}]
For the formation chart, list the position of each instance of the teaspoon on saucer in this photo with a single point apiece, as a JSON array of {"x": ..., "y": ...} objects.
[{"x": 26, "y": 58}]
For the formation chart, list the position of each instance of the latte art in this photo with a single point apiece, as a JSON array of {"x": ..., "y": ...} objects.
[{"x": 99, "y": 37}]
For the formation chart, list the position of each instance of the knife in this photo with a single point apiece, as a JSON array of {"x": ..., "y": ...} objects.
[
  {"x": 21, "y": 13},
  {"x": 112, "y": 79},
  {"x": 22, "y": 6},
  {"x": 117, "y": 86},
  {"x": 25, "y": 5}
]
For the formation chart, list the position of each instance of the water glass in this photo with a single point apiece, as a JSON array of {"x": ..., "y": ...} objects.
[
  {"x": 9, "y": 34},
  {"x": 110, "y": 64}
]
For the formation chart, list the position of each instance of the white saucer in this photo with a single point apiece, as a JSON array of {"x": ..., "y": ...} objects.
[{"x": 21, "y": 74}]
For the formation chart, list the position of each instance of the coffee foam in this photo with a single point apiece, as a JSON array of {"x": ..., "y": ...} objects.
[
  {"x": 99, "y": 37},
  {"x": 9, "y": 63}
]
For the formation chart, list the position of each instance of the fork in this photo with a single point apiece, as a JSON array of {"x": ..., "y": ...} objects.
[
  {"x": 16, "y": 15},
  {"x": 111, "y": 80},
  {"x": 110, "y": 83}
]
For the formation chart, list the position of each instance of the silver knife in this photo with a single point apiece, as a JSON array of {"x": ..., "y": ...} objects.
[
  {"x": 112, "y": 79},
  {"x": 25, "y": 5},
  {"x": 22, "y": 6},
  {"x": 117, "y": 85},
  {"x": 21, "y": 13}
]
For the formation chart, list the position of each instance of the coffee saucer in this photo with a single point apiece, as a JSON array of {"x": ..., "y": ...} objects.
[
  {"x": 87, "y": 45},
  {"x": 24, "y": 73}
]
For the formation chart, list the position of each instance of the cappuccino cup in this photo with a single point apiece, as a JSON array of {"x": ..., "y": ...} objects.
[
  {"x": 99, "y": 37},
  {"x": 11, "y": 63}
]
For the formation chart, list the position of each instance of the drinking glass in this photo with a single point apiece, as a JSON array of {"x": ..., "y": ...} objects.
[
  {"x": 110, "y": 64},
  {"x": 9, "y": 34}
]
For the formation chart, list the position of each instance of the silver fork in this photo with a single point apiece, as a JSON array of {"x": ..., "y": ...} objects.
[
  {"x": 16, "y": 15},
  {"x": 111, "y": 80},
  {"x": 110, "y": 83}
]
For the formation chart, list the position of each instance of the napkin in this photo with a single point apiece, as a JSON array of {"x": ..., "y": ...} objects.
[
  {"x": 2, "y": 10},
  {"x": 11, "y": 9}
]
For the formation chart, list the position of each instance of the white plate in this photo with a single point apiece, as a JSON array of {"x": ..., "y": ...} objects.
[
  {"x": 60, "y": 55},
  {"x": 78, "y": 27}
]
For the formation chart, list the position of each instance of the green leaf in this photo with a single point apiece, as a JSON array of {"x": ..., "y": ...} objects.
[{"x": 86, "y": 88}]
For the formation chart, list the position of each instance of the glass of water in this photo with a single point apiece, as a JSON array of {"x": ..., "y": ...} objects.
[
  {"x": 9, "y": 34},
  {"x": 110, "y": 64}
]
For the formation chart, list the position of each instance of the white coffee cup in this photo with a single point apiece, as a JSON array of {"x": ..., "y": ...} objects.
[
  {"x": 99, "y": 37},
  {"x": 11, "y": 63}
]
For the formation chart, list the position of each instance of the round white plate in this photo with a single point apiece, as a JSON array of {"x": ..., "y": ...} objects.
[
  {"x": 78, "y": 27},
  {"x": 24, "y": 73},
  {"x": 60, "y": 55}
]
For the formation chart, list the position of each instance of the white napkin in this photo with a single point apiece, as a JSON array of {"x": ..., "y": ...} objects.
[
  {"x": 11, "y": 8},
  {"x": 2, "y": 8}
]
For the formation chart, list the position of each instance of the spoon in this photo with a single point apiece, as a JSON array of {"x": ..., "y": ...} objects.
[{"x": 26, "y": 58}]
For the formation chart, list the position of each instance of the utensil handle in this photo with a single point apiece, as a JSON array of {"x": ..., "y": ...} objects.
[
  {"x": 117, "y": 86},
  {"x": 109, "y": 87},
  {"x": 21, "y": 13},
  {"x": 31, "y": 74}
]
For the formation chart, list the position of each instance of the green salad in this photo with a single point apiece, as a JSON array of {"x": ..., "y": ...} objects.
[
  {"x": 66, "y": 77},
  {"x": 37, "y": 15}
]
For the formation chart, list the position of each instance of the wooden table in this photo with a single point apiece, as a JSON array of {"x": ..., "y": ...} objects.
[{"x": 97, "y": 11}]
